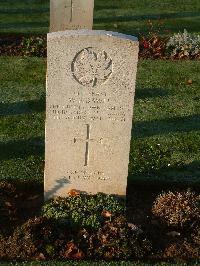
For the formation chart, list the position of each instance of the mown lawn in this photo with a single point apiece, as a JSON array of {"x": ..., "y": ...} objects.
[
  {"x": 128, "y": 16},
  {"x": 166, "y": 133}
]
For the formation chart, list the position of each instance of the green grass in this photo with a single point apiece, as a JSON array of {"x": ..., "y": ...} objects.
[
  {"x": 128, "y": 16},
  {"x": 22, "y": 96},
  {"x": 166, "y": 132}
]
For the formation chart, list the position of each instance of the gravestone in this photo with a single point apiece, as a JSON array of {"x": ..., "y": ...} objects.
[
  {"x": 71, "y": 14},
  {"x": 90, "y": 96}
]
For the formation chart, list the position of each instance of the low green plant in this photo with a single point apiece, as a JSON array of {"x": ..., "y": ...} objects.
[
  {"x": 184, "y": 44},
  {"x": 86, "y": 211}
]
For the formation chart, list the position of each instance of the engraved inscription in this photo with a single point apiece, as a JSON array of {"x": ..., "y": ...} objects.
[
  {"x": 91, "y": 67},
  {"x": 74, "y": 26},
  {"x": 94, "y": 112},
  {"x": 86, "y": 175}
]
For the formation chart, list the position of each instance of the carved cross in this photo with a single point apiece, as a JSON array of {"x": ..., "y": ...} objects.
[
  {"x": 87, "y": 142},
  {"x": 72, "y": 9},
  {"x": 71, "y": 6}
]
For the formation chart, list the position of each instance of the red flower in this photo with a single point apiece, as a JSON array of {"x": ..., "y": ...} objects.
[{"x": 145, "y": 44}]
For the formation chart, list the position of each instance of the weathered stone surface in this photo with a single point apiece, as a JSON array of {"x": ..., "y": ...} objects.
[
  {"x": 90, "y": 95},
  {"x": 71, "y": 14}
]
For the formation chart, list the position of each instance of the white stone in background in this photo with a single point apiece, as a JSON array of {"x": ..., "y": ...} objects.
[
  {"x": 90, "y": 96},
  {"x": 71, "y": 14}
]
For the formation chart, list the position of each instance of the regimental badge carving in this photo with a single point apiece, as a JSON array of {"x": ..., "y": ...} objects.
[{"x": 91, "y": 67}]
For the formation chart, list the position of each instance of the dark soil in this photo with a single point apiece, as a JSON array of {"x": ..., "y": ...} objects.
[
  {"x": 22, "y": 201},
  {"x": 10, "y": 45},
  {"x": 18, "y": 203}
]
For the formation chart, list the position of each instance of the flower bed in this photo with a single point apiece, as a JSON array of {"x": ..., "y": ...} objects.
[
  {"x": 100, "y": 227},
  {"x": 179, "y": 46}
]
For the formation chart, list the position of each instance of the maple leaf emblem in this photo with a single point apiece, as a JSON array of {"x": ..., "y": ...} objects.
[{"x": 92, "y": 67}]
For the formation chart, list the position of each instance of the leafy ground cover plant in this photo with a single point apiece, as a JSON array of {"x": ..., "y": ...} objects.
[
  {"x": 83, "y": 210},
  {"x": 34, "y": 46},
  {"x": 111, "y": 237},
  {"x": 184, "y": 45}
]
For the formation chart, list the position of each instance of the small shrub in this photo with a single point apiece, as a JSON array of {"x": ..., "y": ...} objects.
[
  {"x": 177, "y": 208},
  {"x": 152, "y": 45},
  {"x": 34, "y": 46},
  {"x": 184, "y": 45},
  {"x": 116, "y": 240},
  {"x": 83, "y": 210},
  {"x": 182, "y": 250},
  {"x": 37, "y": 238}
]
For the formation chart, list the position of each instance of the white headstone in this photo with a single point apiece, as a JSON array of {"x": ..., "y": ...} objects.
[
  {"x": 90, "y": 96},
  {"x": 71, "y": 14}
]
